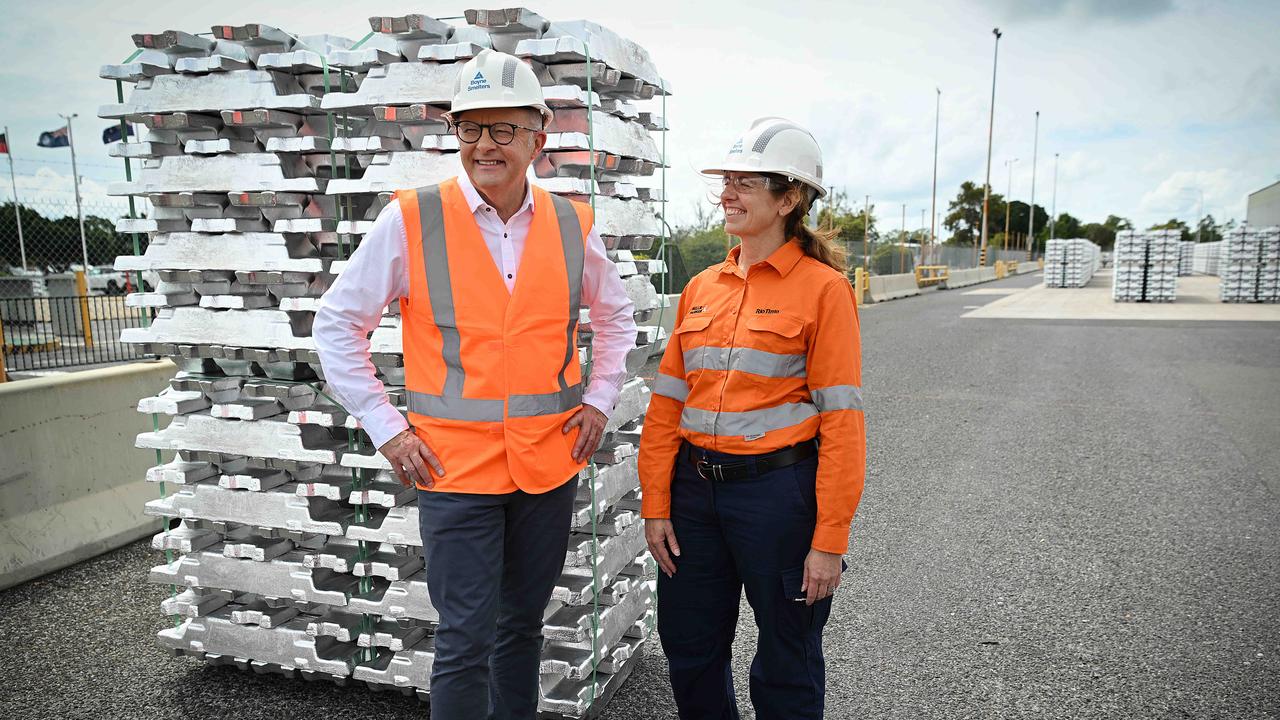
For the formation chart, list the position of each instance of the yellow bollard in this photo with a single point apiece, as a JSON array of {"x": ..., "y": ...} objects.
[
  {"x": 859, "y": 285},
  {"x": 4, "y": 377},
  {"x": 999, "y": 269},
  {"x": 82, "y": 291}
]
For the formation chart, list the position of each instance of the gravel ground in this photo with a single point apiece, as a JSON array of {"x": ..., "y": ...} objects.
[{"x": 1063, "y": 519}]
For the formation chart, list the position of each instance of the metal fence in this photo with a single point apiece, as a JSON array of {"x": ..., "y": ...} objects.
[
  {"x": 43, "y": 236},
  {"x": 62, "y": 331}
]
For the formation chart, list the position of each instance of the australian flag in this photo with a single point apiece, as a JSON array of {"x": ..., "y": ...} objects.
[
  {"x": 54, "y": 138},
  {"x": 112, "y": 133}
]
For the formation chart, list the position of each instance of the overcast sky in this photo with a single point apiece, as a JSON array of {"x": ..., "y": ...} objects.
[{"x": 1148, "y": 102}]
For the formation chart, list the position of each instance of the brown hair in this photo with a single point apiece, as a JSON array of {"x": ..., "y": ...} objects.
[{"x": 818, "y": 244}]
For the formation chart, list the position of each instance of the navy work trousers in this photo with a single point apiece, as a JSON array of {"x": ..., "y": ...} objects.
[
  {"x": 751, "y": 534},
  {"x": 492, "y": 562}
]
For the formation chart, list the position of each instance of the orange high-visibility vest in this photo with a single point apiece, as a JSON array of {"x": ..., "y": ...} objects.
[{"x": 492, "y": 376}]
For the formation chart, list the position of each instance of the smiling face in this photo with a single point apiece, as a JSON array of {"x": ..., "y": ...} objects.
[
  {"x": 754, "y": 212},
  {"x": 498, "y": 169}
]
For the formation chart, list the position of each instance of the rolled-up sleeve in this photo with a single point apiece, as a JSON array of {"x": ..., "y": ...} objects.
[
  {"x": 835, "y": 384},
  {"x": 376, "y": 275},
  {"x": 660, "y": 438}
]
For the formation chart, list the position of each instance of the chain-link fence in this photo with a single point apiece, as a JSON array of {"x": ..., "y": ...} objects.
[
  {"x": 51, "y": 315},
  {"x": 44, "y": 237}
]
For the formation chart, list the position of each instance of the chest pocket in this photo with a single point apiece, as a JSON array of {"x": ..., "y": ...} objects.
[
  {"x": 691, "y": 334},
  {"x": 777, "y": 333}
]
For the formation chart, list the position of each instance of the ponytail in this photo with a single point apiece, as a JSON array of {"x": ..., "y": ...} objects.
[{"x": 820, "y": 245}]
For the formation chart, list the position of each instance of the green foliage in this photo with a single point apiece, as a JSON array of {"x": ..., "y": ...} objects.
[
  {"x": 1173, "y": 224},
  {"x": 56, "y": 242},
  {"x": 889, "y": 259}
]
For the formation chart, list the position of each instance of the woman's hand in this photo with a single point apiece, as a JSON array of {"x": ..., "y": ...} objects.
[
  {"x": 660, "y": 534},
  {"x": 821, "y": 575}
]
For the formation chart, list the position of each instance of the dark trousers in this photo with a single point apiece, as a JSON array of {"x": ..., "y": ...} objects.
[
  {"x": 751, "y": 534},
  {"x": 492, "y": 562}
]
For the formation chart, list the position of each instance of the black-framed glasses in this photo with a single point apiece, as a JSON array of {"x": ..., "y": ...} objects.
[{"x": 501, "y": 133}]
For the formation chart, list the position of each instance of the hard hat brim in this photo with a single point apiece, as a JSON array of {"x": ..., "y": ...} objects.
[{"x": 547, "y": 115}]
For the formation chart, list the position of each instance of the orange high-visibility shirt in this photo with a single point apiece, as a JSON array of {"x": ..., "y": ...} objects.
[{"x": 759, "y": 360}]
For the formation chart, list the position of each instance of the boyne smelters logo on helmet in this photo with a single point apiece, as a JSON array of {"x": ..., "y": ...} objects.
[{"x": 478, "y": 82}]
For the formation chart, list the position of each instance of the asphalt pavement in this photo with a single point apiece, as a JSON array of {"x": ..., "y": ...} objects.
[{"x": 1062, "y": 519}]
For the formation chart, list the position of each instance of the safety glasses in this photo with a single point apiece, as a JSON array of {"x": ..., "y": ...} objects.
[{"x": 501, "y": 133}]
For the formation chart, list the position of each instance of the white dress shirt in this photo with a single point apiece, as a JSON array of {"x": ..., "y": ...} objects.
[{"x": 378, "y": 274}]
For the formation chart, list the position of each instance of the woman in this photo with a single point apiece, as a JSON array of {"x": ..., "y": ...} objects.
[{"x": 753, "y": 450}]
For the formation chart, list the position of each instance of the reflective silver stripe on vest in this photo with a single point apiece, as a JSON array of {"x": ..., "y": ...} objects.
[
  {"x": 748, "y": 423},
  {"x": 756, "y": 362},
  {"x": 571, "y": 241},
  {"x": 435, "y": 259},
  {"x": 838, "y": 397},
  {"x": 454, "y": 408},
  {"x": 552, "y": 403},
  {"x": 450, "y": 405},
  {"x": 673, "y": 387}
]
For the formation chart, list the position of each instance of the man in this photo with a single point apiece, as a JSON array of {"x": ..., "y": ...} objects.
[{"x": 490, "y": 272}]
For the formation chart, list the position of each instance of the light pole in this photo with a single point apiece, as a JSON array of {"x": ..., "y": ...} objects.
[
  {"x": 866, "y": 230},
  {"x": 933, "y": 209},
  {"x": 1053, "y": 221},
  {"x": 17, "y": 215},
  {"x": 991, "y": 126},
  {"x": 902, "y": 239},
  {"x": 75, "y": 176},
  {"x": 1007, "y": 199},
  {"x": 1031, "y": 221}
]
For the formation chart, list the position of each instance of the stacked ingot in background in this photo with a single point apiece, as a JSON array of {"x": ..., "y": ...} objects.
[
  {"x": 1205, "y": 257},
  {"x": 1070, "y": 263},
  {"x": 1250, "y": 265},
  {"x": 265, "y": 157},
  {"x": 1146, "y": 266},
  {"x": 1186, "y": 255}
]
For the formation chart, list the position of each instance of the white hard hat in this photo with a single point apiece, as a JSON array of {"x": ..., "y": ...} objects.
[
  {"x": 776, "y": 145},
  {"x": 495, "y": 79}
]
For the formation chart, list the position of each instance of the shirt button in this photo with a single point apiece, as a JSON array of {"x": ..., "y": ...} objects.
[
  {"x": 508, "y": 276},
  {"x": 488, "y": 209},
  {"x": 504, "y": 234}
]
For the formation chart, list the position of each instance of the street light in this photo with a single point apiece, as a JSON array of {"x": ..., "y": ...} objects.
[
  {"x": 1053, "y": 221},
  {"x": 1007, "y": 199},
  {"x": 991, "y": 126},
  {"x": 75, "y": 177},
  {"x": 1031, "y": 221}
]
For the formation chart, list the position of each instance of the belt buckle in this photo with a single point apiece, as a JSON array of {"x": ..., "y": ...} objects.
[{"x": 717, "y": 472}]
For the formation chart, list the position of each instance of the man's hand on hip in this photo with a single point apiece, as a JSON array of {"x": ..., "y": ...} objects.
[
  {"x": 412, "y": 460},
  {"x": 592, "y": 422}
]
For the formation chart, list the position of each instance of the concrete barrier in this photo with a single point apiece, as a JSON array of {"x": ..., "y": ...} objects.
[
  {"x": 70, "y": 487},
  {"x": 892, "y": 287},
  {"x": 963, "y": 278},
  {"x": 986, "y": 274}
]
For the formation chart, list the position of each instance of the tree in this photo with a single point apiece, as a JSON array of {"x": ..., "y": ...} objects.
[
  {"x": 1209, "y": 231},
  {"x": 837, "y": 213},
  {"x": 1173, "y": 224},
  {"x": 964, "y": 214},
  {"x": 56, "y": 243},
  {"x": 1100, "y": 234},
  {"x": 1066, "y": 226}
]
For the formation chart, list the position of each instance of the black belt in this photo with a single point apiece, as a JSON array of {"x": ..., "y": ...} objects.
[{"x": 751, "y": 465}]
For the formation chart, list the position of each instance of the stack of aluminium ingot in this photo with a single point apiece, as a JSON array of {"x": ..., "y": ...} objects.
[
  {"x": 266, "y": 156},
  {"x": 1070, "y": 263},
  {"x": 1146, "y": 266},
  {"x": 1185, "y": 257},
  {"x": 1250, "y": 265}
]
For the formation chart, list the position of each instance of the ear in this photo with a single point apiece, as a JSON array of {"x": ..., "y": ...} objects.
[
  {"x": 789, "y": 202},
  {"x": 539, "y": 142}
]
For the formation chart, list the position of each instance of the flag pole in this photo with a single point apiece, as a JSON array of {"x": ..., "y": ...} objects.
[
  {"x": 75, "y": 175},
  {"x": 17, "y": 214}
]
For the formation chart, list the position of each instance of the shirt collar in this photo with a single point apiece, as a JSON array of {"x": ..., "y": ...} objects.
[
  {"x": 475, "y": 202},
  {"x": 783, "y": 259}
]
